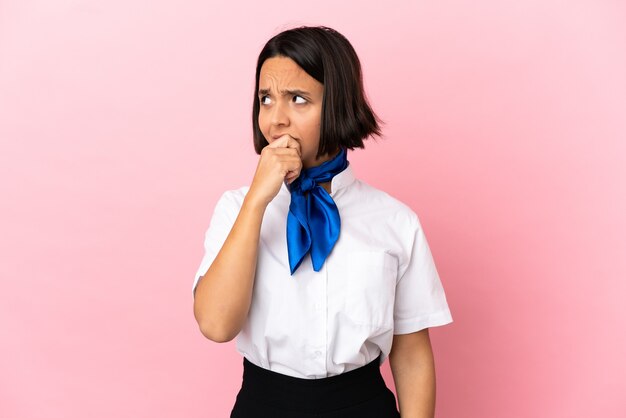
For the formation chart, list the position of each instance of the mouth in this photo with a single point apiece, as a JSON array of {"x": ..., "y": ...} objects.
[{"x": 278, "y": 136}]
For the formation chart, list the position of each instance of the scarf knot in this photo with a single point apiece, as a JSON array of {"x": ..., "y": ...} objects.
[
  {"x": 313, "y": 222},
  {"x": 306, "y": 183}
]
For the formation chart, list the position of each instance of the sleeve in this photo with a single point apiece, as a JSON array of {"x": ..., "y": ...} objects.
[
  {"x": 420, "y": 298},
  {"x": 222, "y": 221}
]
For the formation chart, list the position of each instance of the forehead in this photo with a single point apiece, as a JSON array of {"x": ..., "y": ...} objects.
[{"x": 283, "y": 72}]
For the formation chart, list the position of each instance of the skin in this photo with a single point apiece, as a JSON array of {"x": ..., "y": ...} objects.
[
  {"x": 413, "y": 368},
  {"x": 298, "y": 114},
  {"x": 290, "y": 122},
  {"x": 291, "y": 104}
]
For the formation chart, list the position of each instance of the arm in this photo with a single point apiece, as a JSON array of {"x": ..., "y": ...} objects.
[
  {"x": 413, "y": 368},
  {"x": 223, "y": 295}
]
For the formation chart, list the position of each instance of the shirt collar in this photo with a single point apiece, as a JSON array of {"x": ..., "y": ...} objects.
[{"x": 338, "y": 182}]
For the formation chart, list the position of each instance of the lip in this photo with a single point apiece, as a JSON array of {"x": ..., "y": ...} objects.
[{"x": 278, "y": 136}]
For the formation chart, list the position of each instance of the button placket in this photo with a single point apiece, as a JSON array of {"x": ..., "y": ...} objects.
[{"x": 321, "y": 322}]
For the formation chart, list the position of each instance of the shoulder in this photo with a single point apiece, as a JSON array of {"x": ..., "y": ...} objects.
[
  {"x": 387, "y": 204},
  {"x": 234, "y": 196},
  {"x": 231, "y": 200}
]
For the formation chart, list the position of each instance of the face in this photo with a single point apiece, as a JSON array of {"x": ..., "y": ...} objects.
[{"x": 291, "y": 103}]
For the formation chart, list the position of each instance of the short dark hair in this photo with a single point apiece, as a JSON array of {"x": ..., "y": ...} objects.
[{"x": 327, "y": 56}]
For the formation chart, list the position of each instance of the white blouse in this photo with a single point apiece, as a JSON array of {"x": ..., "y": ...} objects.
[{"x": 379, "y": 280}]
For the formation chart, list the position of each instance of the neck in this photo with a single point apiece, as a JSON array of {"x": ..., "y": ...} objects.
[
  {"x": 326, "y": 186},
  {"x": 322, "y": 159}
]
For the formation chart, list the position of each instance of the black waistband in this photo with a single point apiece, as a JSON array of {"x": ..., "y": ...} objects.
[{"x": 314, "y": 395}]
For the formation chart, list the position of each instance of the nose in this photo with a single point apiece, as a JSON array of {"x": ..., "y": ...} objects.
[{"x": 279, "y": 114}]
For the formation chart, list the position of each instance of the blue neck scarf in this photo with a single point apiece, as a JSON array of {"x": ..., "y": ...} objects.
[{"x": 313, "y": 221}]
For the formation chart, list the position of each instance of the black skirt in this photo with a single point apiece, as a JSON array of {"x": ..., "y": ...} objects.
[{"x": 358, "y": 393}]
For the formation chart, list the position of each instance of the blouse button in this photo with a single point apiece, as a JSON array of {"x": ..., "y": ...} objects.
[{"x": 318, "y": 353}]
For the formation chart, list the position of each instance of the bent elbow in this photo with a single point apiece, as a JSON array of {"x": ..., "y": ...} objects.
[{"x": 217, "y": 336}]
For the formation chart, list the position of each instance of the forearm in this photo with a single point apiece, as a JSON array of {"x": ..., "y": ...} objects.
[
  {"x": 413, "y": 367},
  {"x": 416, "y": 392},
  {"x": 223, "y": 295}
]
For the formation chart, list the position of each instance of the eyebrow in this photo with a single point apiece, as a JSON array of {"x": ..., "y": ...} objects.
[{"x": 287, "y": 91}]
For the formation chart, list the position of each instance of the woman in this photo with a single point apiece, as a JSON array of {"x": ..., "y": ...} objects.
[{"x": 319, "y": 275}]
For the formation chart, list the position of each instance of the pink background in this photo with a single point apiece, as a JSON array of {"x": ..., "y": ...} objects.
[{"x": 121, "y": 122}]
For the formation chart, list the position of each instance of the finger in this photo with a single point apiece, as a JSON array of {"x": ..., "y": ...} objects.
[
  {"x": 287, "y": 151},
  {"x": 286, "y": 141},
  {"x": 294, "y": 170},
  {"x": 280, "y": 142},
  {"x": 292, "y": 143}
]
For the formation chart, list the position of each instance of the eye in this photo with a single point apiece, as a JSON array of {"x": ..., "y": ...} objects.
[
  {"x": 263, "y": 97},
  {"x": 303, "y": 99}
]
